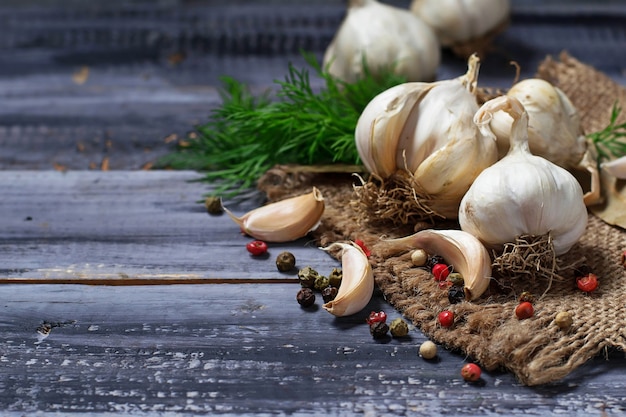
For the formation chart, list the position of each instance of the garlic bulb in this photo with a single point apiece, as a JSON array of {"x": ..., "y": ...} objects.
[
  {"x": 427, "y": 129},
  {"x": 554, "y": 130},
  {"x": 522, "y": 194},
  {"x": 460, "y": 21},
  {"x": 285, "y": 220},
  {"x": 382, "y": 36}
]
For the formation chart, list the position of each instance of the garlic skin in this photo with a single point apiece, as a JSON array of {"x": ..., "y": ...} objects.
[
  {"x": 383, "y": 36},
  {"x": 522, "y": 194},
  {"x": 283, "y": 221},
  {"x": 357, "y": 284},
  {"x": 554, "y": 130},
  {"x": 615, "y": 167},
  {"x": 428, "y": 130},
  {"x": 458, "y": 21},
  {"x": 467, "y": 255}
]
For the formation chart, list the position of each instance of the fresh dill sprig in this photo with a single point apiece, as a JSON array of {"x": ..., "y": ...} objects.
[
  {"x": 247, "y": 135},
  {"x": 610, "y": 142}
]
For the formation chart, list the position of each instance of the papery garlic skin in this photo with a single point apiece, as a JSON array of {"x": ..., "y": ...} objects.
[
  {"x": 616, "y": 167},
  {"x": 383, "y": 36},
  {"x": 522, "y": 194},
  {"x": 428, "y": 130},
  {"x": 285, "y": 220},
  {"x": 458, "y": 21},
  {"x": 357, "y": 283},
  {"x": 554, "y": 130}
]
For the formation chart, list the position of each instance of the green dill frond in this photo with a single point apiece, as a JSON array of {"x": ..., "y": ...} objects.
[
  {"x": 247, "y": 135},
  {"x": 610, "y": 142}
]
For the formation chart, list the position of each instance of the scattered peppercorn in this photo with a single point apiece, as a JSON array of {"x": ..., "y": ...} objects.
[
  {"x": 257, "y": 247},
  {"x": 375, "y": 317},
  {"x": 305, "y": 297},
  {"x": 524, "y": 310},
  {"x": 446, "y": 318},
  {"x": 335, "y": 277},
  {"x": 379, "y": 329},
  {"x": 398, "y": 328},
  {"x": 456, "y": 294},
  {"x": 329, "y": 293},
  {"x": 428, "y": 350},
  {"x": 213, "y": 205},
  {"x": 588, "y": 283},
  {"x": 526, "y": 296},
  {"x": 419, "y": 257},
  {"x": 434, "y": 260},
  {"x": 321, "y": 282},
  {"x": 307, "y": 277},
  {"x": 563, "y": 319},
  {"x": 363, "y": 247},
  {"x": 471, "y": 372},
  {"x": 440, "y": 271},
  {"x": 456, "y": 279},
  {"x": 285, "y": 261}
]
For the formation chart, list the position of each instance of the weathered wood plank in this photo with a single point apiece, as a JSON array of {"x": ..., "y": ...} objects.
[
  {"x": 122, "y": 227},
  {"x": 244, "y": 350}
]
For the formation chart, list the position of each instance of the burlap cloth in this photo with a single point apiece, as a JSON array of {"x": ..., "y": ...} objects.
[{"x": 486, "y": 330}]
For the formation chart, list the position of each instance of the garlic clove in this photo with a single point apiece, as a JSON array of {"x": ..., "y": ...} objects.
[
  {"x": 463, "y": 251},
  {"x": 285, "y": 220},
  {"x": 357, "y": 284},
  {"x": 616, "y": 167}
]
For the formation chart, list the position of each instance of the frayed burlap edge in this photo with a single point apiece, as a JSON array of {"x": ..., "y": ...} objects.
[{"x": 535, "y": 350}]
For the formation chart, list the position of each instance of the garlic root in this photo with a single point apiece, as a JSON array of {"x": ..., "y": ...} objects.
[
  {"x": 357, "y": 284},
  {"x": 285, "y": 220},
  {"x": 463, "y": 251}
]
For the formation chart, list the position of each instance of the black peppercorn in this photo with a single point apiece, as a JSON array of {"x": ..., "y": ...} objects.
[
  {"x": 379, "y": 330},
  {"x": 285, "y": 261},
  {"x": 434, "y": 260},
  {"x": 456, "y": 294},
  {"x": 306, "y": 297},
  {"x": 329, "y": 293}
]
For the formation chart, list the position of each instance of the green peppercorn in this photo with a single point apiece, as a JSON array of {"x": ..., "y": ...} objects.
[
  {"x": 213, "y": 205},
  {"x": 398, "y": 328},
  {"x": 379, "y": 329},
  {"x": 285, "y": 261},
  {"x": 329, "y": 293},
  {"x": 307, "y": 277},
  {"x": 335, "y": 277},
  {"x": 305, "y": 297},
  {"x": 321, "y": 282},
  {"x": 527, "y": 296},
  {"x": 456, "y": 279}
]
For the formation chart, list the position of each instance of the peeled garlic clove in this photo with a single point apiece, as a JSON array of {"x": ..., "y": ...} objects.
[
  {"x": 463, "y": 251},
  {"x": 616, "y": 167},
  {"x": 378, "y": 36},
  {"x": 285, "y": 220},
  {"x": 357, "y": 284}
]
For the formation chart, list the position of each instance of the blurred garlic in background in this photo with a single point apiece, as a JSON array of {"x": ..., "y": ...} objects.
[{"x": 379, "y": 36}]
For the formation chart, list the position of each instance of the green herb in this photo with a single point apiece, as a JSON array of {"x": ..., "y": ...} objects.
[
  {"x": 611, "y": 141},
  {"x": 248, "y": 135}
]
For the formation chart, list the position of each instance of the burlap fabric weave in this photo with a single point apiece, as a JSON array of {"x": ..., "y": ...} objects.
[{"x": 486, "y": 330}]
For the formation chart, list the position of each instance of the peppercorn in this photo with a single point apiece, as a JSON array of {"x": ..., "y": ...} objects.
[
  {"x": 329, "y": 293},
  {"x": 321, "y": 282},
  {"x": 398, "y": 328},
  {"x": 419, "y": 257},
  {"x": 588, "y": 283},
  {"x": 335, "y": 277},
  {"x": 434, "y": 260},
  {"x": 563, "y": 319},
  {"x": 440, "y": 271},
  {"x": 524, "y": 310},
  {"x": 379, "y": 329},
  {"x": 446, "y": 318},
  {"x": 456, "y": 294},
  {"x": 305, "y": 297},
  {"x": 456, "y": 279},
  {"x": 526, "y": 296},
  {"x": 213, "y": 205},
  {"x": 428, "y": 350},
  {"x": 307, "y": 277},
  {"x": 285, "y": 261},
  {"x": 471, "y": 372}
]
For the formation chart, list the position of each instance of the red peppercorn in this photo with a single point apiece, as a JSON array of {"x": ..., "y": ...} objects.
[
  {"x": 376, "y": 317},
  {"x": 440, "y": 271},
  {"x": 588, "y": 283},
  {"x": 444, "y": 285},
  {"x": 471, "y": 372},
  {"x": 524, "y": 310},
  {"x": 446, "y": 318},
  {"x": 364, "y": 248},
  {"x": 257, "y": 247}
]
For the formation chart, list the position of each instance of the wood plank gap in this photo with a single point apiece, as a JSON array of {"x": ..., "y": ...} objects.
[{"x": 145, "y": 282}]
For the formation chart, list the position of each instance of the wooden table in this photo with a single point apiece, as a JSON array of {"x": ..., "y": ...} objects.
[{"x": 121, "y": 295}]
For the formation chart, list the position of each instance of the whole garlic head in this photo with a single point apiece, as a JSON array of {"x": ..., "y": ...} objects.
[
  {"x": 554, "y": 130},
  {"x": 382, "y": 36},
  {"x": 522, "y": 194},
  {"x": 458, "y": 21},
  {"x": 428, "y": 130}
]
